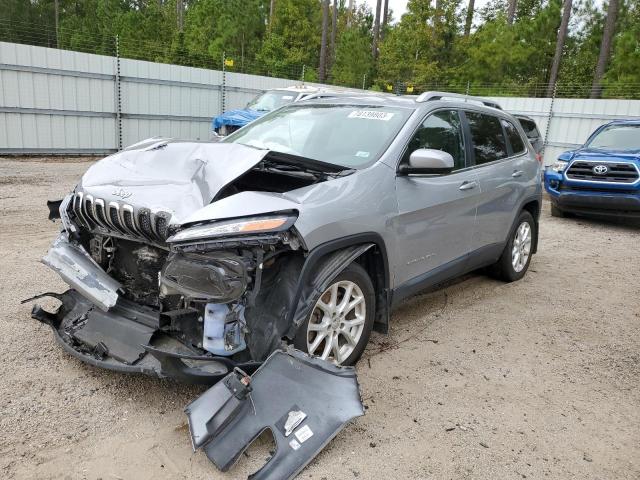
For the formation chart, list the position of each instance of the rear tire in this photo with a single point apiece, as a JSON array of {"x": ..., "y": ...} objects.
[
  {"x": 328, "y": 328},
  {"x": 516, "y": 257}
]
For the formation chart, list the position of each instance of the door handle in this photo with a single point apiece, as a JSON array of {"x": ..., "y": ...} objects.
[
  {"x": 517, "y": 173},
  {"x": 468, "y": 185}
]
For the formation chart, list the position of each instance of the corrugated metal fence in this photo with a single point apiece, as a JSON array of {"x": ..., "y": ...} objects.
[
  {"x": 63, "y": 102},
  {"x": 565, "y": 123}
]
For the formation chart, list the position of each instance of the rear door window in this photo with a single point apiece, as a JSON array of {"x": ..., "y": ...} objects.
[
  {"x": 517, "y": 145},
  {"x": 487, "y": 137}
]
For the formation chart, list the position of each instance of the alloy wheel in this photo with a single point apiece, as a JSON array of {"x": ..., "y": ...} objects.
[
  {"x": 337, "y": 322},
  {"x": 521, "y": 247}
]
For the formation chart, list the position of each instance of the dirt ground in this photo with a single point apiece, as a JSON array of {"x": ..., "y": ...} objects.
[{"x": 483, "y": 380}]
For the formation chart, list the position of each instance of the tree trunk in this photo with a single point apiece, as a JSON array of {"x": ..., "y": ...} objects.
[
  {"x": 272, "y": 6},
  {"x": 376, "y": 31},
  {"x": 511, "y": 11},
  {"x": 385, "y": 15},
  {"x": 322, "y": 70},
  {"x": 562, "y": 37},
  {"x": 437, "y": 16},
  {"x": 180, "y": 14},
  {"x": 469, "y": 19},
  {"x": 605, "y": 48},
  {"x": 57, "y": 19},
  {"x": 350, "y": 11},
  {"x": 334, "y": 29}
]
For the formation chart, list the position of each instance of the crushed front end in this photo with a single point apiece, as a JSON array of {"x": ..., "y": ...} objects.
[
  {"x": 181, "y": 306},
  {"x": 150, "y": 296}
]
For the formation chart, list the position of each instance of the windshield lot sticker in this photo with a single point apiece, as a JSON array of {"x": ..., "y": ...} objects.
[
  {"x": 287, "y": 97},
  {"x": 362, "y": 154},
  {"x": 371, "y": 115},
  {"x": 304, "y": 434}
]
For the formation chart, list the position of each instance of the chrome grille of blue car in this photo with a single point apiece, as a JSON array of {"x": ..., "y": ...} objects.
[{"x": 620, "y": 172}]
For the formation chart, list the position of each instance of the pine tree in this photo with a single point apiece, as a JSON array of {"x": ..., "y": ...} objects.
[{"x": 605, "y": 48}]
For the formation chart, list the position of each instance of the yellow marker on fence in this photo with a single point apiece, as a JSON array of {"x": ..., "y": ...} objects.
[
  {"x": 228, "y": 62},
  {"x": 409, "y": 88},
  {"x": 389, "y": 87}
]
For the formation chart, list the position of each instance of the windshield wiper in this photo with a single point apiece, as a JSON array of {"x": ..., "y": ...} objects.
[{"x": 305, "y": 163}]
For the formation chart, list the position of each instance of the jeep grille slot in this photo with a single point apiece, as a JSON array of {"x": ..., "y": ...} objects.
[
  {"x": 144, "y": 221},
  {"x": 127, "y": 216},
  {"x": 114, "y": 217},
  {"x": 161, "y": 227},
  {"x": 616, "y": 172},
  {"x": 98, "y": 209}
]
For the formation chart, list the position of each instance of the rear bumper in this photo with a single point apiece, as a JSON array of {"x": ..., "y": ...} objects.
[{"x": 112, "y": 340}]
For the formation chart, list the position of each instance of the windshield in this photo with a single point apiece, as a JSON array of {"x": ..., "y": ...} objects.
[
  {"x": 618, "y": 137},
  {"x": 271, "y": 100},
  {"x": 352, "y": 136}
]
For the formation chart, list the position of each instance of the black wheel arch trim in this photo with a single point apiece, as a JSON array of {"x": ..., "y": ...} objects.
[{"x": 317, "y": 255}]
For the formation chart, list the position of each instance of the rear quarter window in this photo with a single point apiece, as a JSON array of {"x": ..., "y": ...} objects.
[
  {"x": 517, "y": 145},
  {"x": 530, "y": 128},
  {"x": 487, "y": 137}
]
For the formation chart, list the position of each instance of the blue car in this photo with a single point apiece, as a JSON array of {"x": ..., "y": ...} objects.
[
  {"x": 232, "y": 120},
  {"x": 601, "y": 178}
]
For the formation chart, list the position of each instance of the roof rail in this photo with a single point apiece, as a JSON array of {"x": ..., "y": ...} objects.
[{"x": 430, "y": 96}]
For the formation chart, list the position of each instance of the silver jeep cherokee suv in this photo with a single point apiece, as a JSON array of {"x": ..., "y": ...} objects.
[{"x": 306, "y": 227}]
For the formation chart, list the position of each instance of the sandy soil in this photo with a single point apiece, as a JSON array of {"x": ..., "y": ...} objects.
[{"x": 483, "y": 380}]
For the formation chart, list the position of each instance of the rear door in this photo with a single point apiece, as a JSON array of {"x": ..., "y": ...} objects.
[
  {"x": 436, "y": 212},
  {"x": 501, "y": 172}
]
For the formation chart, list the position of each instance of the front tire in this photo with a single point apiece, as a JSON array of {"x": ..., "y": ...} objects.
[
  {"x": 340, "y": 323},
  {"x": 516, "y": 257}
]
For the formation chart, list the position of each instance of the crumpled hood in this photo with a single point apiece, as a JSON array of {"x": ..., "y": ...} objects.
[{"x": 166, "y": 175}]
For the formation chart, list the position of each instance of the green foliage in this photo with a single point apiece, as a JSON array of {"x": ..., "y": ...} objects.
[
  {"x": 581, "y": 50},
  {"x": 623, "y": 76},
  {"x": 516, "y": 56},
  {"x": 418, "y": 49},
  {"x": 293, "y": 39},
  {"x": 353, "y": 58},
  {"x": 425, "y": 48},
  {"x": 231, "y": 27}
]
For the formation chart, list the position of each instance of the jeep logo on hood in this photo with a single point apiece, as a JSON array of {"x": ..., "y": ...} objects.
[{"x": 122, "y": 193}]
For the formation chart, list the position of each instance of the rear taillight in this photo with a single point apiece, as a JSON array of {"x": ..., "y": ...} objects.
[{"x": 539, "y": 157}]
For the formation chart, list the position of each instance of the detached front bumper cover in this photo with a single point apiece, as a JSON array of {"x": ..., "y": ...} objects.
[
  {"x": 126, "y": 339},
  {"x": 304, "y": 402}
]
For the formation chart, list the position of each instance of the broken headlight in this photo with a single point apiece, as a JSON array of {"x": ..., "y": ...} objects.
[{"x": 275, "y": 223}]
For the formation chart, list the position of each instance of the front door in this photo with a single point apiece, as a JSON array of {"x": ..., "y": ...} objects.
[{"x": 436, "y": 213}]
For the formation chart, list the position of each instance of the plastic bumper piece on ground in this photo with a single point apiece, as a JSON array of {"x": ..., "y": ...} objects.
[{"x": 303, "y": 401}]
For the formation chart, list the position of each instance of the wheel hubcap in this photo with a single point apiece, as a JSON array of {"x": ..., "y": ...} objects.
[
  {"x": 521, "y": 247},
  {"x": 337, "y": 322}
]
